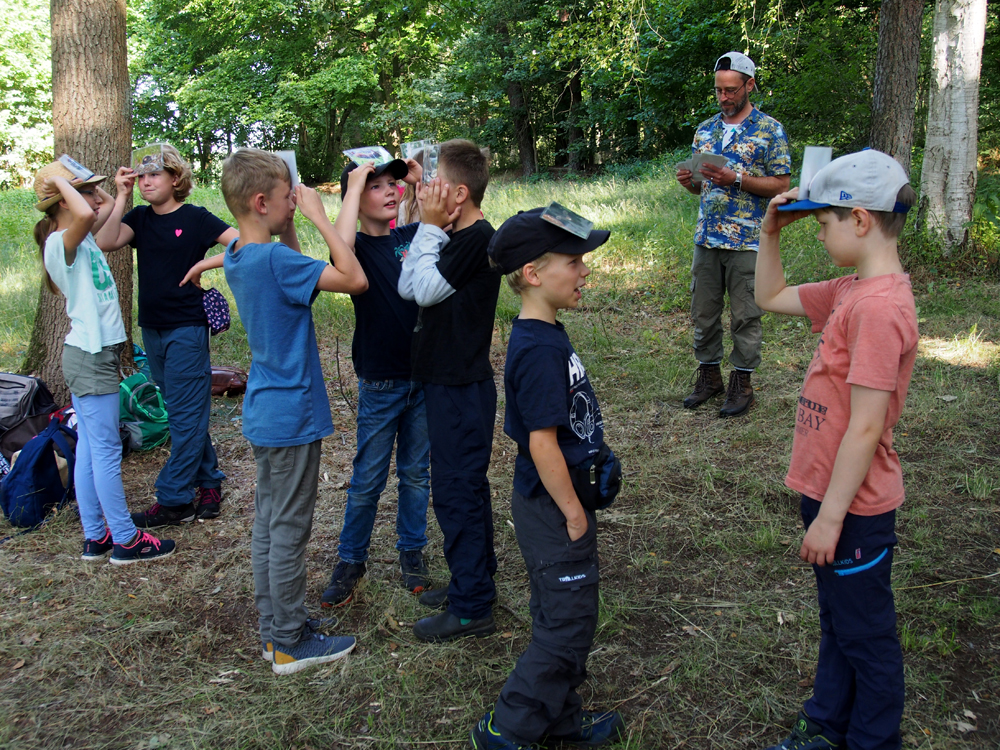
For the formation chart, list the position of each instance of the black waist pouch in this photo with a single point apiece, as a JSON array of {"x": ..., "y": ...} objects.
[{"x": 597, "y": 480}]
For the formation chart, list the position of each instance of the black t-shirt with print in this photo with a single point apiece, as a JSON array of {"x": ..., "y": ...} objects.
[
  {"x": 451, "y": 343},
  {"x": 166, "y": 246},
  {"x": 546, "y": 386},
  {"x": 384, "y": 321}
]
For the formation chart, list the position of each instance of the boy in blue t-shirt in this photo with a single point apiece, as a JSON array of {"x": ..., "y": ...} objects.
[
  {"x": 286, "y": 412},
  {"x": 553, "y": 416},
  {"x": 390, "y": 404}
]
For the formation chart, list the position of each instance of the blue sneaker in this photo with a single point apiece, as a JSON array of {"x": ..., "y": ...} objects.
[
  {"x": 484, "y": 736},
  {"x": 805, "y": 736},
  {"x": 312, "y": 650},
  {"x": 95, "y": 550},
  {"x": 596, "y": 729},
  {"x": 313, "y": 625}
]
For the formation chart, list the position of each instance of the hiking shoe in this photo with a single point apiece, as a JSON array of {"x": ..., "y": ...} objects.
[
  {"x": 447, "y": 627},
  {"x": 207, "y": 502},
  {"x": 707, "y": 383},
  {"x": 739, "y": 394},
  {"x": 435, "y": 598},
  {"x": 95, "y": 550},
  {"x": 484, "y": 736},
  {"x": 143, "y": 547},
  {"x": 312, "y": 650},
  {"x": 596, "y": 729},
  {"x": 416, "y": 574},
  {"x": 164, "y": 515},
  {"x": 313, "y": 625},
  {"x": 805, "y": 736},
  {"x": 341, "y": 589}
]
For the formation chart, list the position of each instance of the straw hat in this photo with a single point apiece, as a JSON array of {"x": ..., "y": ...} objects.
[{"x": 57, "y": 169}]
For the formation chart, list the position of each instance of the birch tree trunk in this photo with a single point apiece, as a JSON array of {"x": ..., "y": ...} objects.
[
  {"x": 92, "y": 120},
  {"x": 948, "y": 178},
  {"x": 897, "y": 65}
]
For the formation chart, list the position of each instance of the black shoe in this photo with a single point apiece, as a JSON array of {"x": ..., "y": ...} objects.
[
  {"x": 341, "y": 589},
  {"x": 707, "y": 383},
  {"x": 739, "y": 395},
  {"x": 164, "y": 515},
  {"x": 805, "y": 736},
  {"x": 596, "y": 728},
  {"x": 447, "y": 627},
  {"x": 416, "y": 575},
  {"x": 143, "y": 547},
  {"x": 435, "y": 598},
  {"x": 208, "y": 502},
  {"x": 95, "y": 550}
]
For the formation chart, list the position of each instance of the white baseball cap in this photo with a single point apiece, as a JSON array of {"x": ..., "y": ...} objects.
[
  {"x": 867, "y": 179},
  {"x": 736, "y": 61}
]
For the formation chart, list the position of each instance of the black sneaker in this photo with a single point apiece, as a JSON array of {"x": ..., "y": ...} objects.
[
  {"x": 435, "y": 598},
  {"x": 164, "y": 515},
  {"x": 416, "y": 574},
  {"x": 207, "y": 502},
  {"x": 447, "y": 627},
  {"x": 142, "y": 548},
  {"x": 484, "y": 736},
  {"x": 805, "y": 736},
  {"x": 95, "y": 550},
  {"x": 596, "y": 729},
  {"x": 341, "y": 589}
]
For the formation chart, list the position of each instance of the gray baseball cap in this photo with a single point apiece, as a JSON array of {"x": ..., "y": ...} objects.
[
  {"x": 736, "y": 61},
  {"x": 867, "y": 179}
]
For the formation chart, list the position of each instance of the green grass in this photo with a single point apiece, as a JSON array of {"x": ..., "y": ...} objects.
[{"x": 708, "y": 629}]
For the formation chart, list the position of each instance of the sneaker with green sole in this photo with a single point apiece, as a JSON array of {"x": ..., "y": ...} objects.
[{"x": 806, "y": 735}]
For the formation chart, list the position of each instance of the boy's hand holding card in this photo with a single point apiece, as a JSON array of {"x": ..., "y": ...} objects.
[
  {"x": 358, "y": 177},
  {"x": 310, "y": 204}
]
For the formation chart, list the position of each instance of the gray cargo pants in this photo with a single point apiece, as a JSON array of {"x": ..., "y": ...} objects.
[{"x": 713, "y": 273}]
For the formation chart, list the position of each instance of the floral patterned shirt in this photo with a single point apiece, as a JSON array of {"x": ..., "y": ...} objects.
[{"x": 729, "y": 218}]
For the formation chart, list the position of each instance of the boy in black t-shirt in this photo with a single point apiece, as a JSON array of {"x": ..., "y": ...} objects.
[
  {"x": 170, "y": 239},
  {"x": 449, "y": 276},
  {"x": 390, "y": 404},
  {"x": 553, "y": 416}
]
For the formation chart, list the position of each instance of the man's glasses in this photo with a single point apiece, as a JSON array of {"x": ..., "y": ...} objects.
[{"x": 730, "y": 91}]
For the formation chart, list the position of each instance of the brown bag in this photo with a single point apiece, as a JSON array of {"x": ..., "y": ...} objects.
[{"x": 228, "y": 381}]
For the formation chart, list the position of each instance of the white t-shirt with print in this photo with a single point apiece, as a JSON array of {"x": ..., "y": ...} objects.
[{"x": 90, "y": 291}]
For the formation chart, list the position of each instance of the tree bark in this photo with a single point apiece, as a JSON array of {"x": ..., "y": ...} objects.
[
  {"x": 575, "y": 156},
  {"x": 92, "y": 120},
  {"x": 522, "y": 128},
  {"x": 897, "y": 65},
  {"x": 948, "y": 178}
]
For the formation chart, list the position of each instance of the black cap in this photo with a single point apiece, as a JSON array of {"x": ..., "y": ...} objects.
[
  {"x": 527, "y": 236},
  {"x": 397, "y": 168}
]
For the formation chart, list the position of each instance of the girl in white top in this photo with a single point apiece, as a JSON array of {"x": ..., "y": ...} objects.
[{"x": 74, "y": 265}]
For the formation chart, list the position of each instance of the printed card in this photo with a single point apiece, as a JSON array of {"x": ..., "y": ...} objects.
[
  {"x": 375, "y": 155},
  {"x": 563, "y": 218},
  {"x": 410, "y": 149},
  {"x": 75, "y": 167},
  {"x": 148, "y": 159},
  {"x": 289, "y": 158}
]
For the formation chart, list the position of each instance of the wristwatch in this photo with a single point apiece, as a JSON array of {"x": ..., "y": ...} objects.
[{"x": 738, "y": 183}]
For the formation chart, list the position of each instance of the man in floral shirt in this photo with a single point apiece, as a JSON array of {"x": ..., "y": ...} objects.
[{"x": 734, "y": 198}]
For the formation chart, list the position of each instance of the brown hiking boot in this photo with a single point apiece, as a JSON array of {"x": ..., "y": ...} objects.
[
  {"x": 739, "y": 394},
  {"x": 708, "y": 383}
]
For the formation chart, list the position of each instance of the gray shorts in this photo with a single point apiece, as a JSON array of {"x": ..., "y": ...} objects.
[{"x": 89, "y": 374}]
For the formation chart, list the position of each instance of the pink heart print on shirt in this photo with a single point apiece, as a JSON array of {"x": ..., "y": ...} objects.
[{"x": 178, "y": 232}]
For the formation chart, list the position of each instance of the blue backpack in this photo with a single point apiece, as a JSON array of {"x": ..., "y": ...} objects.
[{"x": 33, "y": 487}]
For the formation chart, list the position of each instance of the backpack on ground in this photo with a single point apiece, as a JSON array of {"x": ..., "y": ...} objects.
[
  {"x": 22, "y": 396},
  {"x": 33, "y": 487},
  {"x": 143, "y": 412}
]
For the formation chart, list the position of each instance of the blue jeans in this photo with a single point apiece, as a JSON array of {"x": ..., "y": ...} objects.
[
  {"x": 97, "y": 474},
  {"x": 180, "y": 363},
  {"x": 388, "y": 411}
]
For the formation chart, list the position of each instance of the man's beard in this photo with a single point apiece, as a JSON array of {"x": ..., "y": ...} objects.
[{"x": 735, "y": 107}]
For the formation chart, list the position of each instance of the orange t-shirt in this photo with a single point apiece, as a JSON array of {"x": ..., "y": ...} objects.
[{"x": 869, "y": 338}]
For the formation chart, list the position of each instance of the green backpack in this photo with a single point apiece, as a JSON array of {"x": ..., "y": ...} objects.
[{"x": 142, "y": 412}]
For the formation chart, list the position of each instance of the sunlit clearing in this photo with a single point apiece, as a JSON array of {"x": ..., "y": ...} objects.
[{"x": 969, "y": 350}]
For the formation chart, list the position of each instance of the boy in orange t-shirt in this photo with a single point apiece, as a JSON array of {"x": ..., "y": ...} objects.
[{"x": 843, "y": 462}]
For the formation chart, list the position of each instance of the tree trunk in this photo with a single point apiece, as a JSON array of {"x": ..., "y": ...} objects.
[
  {"x": 522, "y": 128},
  {"x": 948, "y": 178},
  {"x": 575, "y": 145},
  {"x": 92, "y": 120},
  {"x": 897, "y": 65}
]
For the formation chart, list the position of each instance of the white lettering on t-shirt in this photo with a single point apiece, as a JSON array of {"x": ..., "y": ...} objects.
[{"x": 576, "y": 370}]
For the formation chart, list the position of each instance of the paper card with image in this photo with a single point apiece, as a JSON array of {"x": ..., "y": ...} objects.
[
  {"x": 431, "y": 151},
  {"x": 75, "y": 167},
  {"x": 289, "y": 158},
  {"x": 563, "y": 218},
  {"x": 813, "y": 159},
  {"x": 410, "y": 149},
  {"x": 375, "y": 155},
  {"x": 716, "y": 160},
  {"x": 148, "y": 159}
]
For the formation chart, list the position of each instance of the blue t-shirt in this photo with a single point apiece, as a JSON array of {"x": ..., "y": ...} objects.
[
  {"x": 384, "y": 321},
  {"x": 274, "y": 287},
  {"x": 547, "y": 386}
]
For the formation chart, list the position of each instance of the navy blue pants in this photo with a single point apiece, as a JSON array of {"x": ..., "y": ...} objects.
[
  {"x": 460, "y": 425},
  {"x": 858, "y": 693}
]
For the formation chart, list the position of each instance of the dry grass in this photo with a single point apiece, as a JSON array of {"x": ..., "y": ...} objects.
[{"x": 708, "y": 628}]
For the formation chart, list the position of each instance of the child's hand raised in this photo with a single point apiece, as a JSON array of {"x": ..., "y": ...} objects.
[
  {"x": 356, "y": 179},
  {"x": 310, "y": 204},
  {"x": 775, "y": 220},
  {"x": 124, "y": 180},
  {"x": 415, "y": 174},
  {"x": 433, "y": 200}
]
